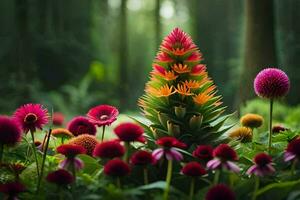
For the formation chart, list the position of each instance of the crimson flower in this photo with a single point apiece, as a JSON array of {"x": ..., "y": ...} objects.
[
  {"x": 116, "y": 168},
  {"x": 11, "y": 190},
  {"x": 193, "y": 169},
  {"x": 169, "y": 149},
  {"x": 71, "y": 151},
  {"x": 31, "y": 117},
  {"x": 88, "y": 142},
  {"x": 60, "y": 177},
  {"x": 81, "y": 125},
  {"x": 58, "y": 119},
  {"x": 103, "y": 115},
  {"x": 109, "y": 149},
  {"x": 142, "y": 158},
  {"x": 129, "y": 132},
  {"x": 293, "y": 150},
  {"x": 10, "y": 131},
  {"x": 220, "y": 192},
  {"x": 203, "y": 152},
  {"x": 263, "y": 165},
  {"x": 224, "y": 157}
]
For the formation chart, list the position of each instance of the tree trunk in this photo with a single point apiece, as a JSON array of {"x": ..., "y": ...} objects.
[{"x": 260, "y": 47}]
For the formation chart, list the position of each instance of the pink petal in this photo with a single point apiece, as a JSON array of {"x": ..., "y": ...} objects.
[
  {"x": 174, "y": 154},
  {"x": 251, "y": 170},
  {"x": 78, "y": 164},
  {"x": 288, "y": 156},
  {"x": 231, "y": 166},
  {"x": 158, "y": 153},
  {"x": 64, "y": 164},
  {"x": 213, "y": 164}
]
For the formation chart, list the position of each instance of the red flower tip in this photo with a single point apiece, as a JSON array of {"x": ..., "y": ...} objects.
[
  {"x": 58, "y": 119},
  {"x": 169, "y": 142},
  {"x": 219, "y": 192},
  {"x": 12, "y": 189},
  {"x": 81, "y": 125},
  {"x": 70, "y": 150},
  {"x": 129, "y": 132},
  {"x": 262, "y": 159},
  {"x": 10, "y": 131},
  {"x": 278, "y": 129},
  {"x": 225, "y": 152},
  {"x": 116, "y": 168},
  {"x": 88, "y": 142},
  {"x": 142, "y": 158},
  {"x": 103, "y": 115},
  {"x": 193, "y": 169},
  {"x": 60, "y": 177},
  {"x": 203, "y": 152},
  {"x": 109, "y": 149},
  {"x": 31, "y": 117},
  {"x": 294, "y": 147}
]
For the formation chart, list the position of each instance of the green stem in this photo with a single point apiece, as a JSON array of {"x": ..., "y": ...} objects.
[
  {"x": 44, "y": 159},
  {"x": 62, "y": 140},
  {"x": 35, "y": 154},
  {"x": 1, "y": 152},
  {"x": 119, "y": 182},
  {"x": 126, "y": 155},
  {"x": 217, "y": 177},
  {"x": 293, "y": 167},
  {"x": 146, "y": 181},
  {"x": 270, "y": 125},
  {"x": 256, "y": 187},
  {"x": 192, "y": 188},
  {"x": 103, "y": 131},
  {"x": 168, "y": 180}
]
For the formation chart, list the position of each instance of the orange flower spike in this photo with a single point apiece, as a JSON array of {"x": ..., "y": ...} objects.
[
  {"x": 202, "y": 98},
  {"x": 180, "y": 68},
  {"x": 165, "y": 91},
  {"x": 210, "y": 89},
  {"x": 183, "y": 90},
  {"x": 169, "y": 76},
  {"x": 192, "y": 84}
]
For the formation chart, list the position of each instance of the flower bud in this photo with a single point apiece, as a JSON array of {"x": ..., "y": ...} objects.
[
  {"x": 163, "y": 118},
  {"x": 180, "y": 111},
  {"x": 196, "y": 121},
  {"x": 173, "y": 129}
]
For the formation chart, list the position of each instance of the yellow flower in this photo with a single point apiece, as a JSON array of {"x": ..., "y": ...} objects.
[
  {"x": 183, "y": 90},
  {"x": 252, "y": 120},
  {"x": 192, "y": 84},
  {"x": 244, "y": 134},
  {"x": 61, "y": 132},
  {"x": 180, "y": 68},
  {"x": 202, "y": 98},
  {"x": 163, "y": 91}
]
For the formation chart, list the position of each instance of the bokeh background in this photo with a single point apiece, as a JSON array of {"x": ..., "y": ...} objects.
[{"x": 74, "y": 54}]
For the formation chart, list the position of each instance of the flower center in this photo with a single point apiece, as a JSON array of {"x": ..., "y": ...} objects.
[
  {"x": 104, "y": 117},
  {"x": 30, "y": 118}
]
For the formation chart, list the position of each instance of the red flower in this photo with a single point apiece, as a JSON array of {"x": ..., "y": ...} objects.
[
  {"x": 109, "y": 149},
  {"x": 203, "y": 152},
  {"x": 293, "y": 150},
  {"x": 278, "y": 129},
  {"x": 262, "y": 159},
  {"x": 103, "y": 115},
  {"x": 31, "y": 117},
  {"x": 129, "y": 132},
  {"x": 60, "y": 177},
  {"x": 142, "y": 158},
  {"x": 81, "y": 125},
  {"x": 168, "y": 142},
  {"x": 193, "y": 169},
  {"x": 12, "y": 189},
  {"x": 88, "y": 142},
  {"x": 263, "y": 165},
  {"x": 220, "y": 192},
  {"x": 10, "y": 131},
  {"x": 116, "y": 168},
  {"x": 225, "y": 152},
  {"x": 70, "y": 150},
  {"x": 58, "y": 119}
]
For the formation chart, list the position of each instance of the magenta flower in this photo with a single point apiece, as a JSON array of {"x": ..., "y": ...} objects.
[
  {"x": 109, "y": 149},
  {"x": 203, "y": 152},
  {"x": 293, "y": 150},
  {"x": 60, "y": 177},
  {"x": 263, "y": 165},
  {"x": 58, "y": 119},
  {"x": 10, "y": 131},
  {"x": 224, "y": 158},
  {"x": 103, "y": 115},
  {"x": 142, "y": 158},
  {"x": 193, "y": 169},
  {"x": 71, "y": 151},
  {"x": 81, "y": 125},
  {"x": 116, "y": 168},
  {"x": 129, "y": 132},
  {"x": 11, "y": 190},
  {"x": 31, "y": 117},
  {"x": 169, "y": 149},
  {"x": 220, "y": 192},
  {"x": 271, "y": 83}
]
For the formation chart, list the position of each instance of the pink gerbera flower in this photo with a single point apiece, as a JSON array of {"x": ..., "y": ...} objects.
[
  {"x": 169, "y": 149},
  {"x": 81, "y": 125},
  {"x": 224, "y": 157},
  {"x": 263, "y": 165},
  {"x": 103, "y": 115},
  {"x": 71, "y": 151},
  {"x": 31, "y": 117}
]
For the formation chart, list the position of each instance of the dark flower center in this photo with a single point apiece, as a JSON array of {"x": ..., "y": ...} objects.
[{"x": 30, "y": 118}]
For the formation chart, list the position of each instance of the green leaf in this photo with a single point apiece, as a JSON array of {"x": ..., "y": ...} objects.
[
  {"x": 90, "y": 164},
  {"x": 277, "y": 186}
]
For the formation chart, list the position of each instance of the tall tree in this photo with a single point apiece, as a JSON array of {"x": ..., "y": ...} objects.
[{"x": 260, "y": 47}]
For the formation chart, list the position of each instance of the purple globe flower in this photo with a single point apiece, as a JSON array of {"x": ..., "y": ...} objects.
[{"x": 271, "y": 83}]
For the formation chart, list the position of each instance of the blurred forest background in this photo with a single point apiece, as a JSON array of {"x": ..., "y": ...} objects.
[{"x": 73, "y": 54}]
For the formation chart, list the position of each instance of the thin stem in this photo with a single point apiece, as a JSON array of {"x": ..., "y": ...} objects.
[
  {"x": 44, "y": 159},
  {"x": 293, "y": 167},
  {"x": 126, "y": 155},
  {"x": 1, "y": 152},
  {"x": 192, "y": 188},
  {"x": 103, "y": 131},
  {"x": 270, "y": 125},
  {"x": 145, "y": 170},
  {"x": 168, "y": 180},
  {"x": 119, "y": 182},
  {"x": 256, "y": 187},
  {"x": 217, "y": 177},
  {"x": 35, "y": 154},
  {"x": 62, "y": 140}
]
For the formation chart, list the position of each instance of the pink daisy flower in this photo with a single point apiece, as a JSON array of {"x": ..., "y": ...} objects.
[
  {"x": 263, "y": 165},
  {"x": 103, "y": 115},
  {"x": 31, "y": 117},
  {"x": 224, "y": 158},
  {"x": 293, "y": 150}
]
